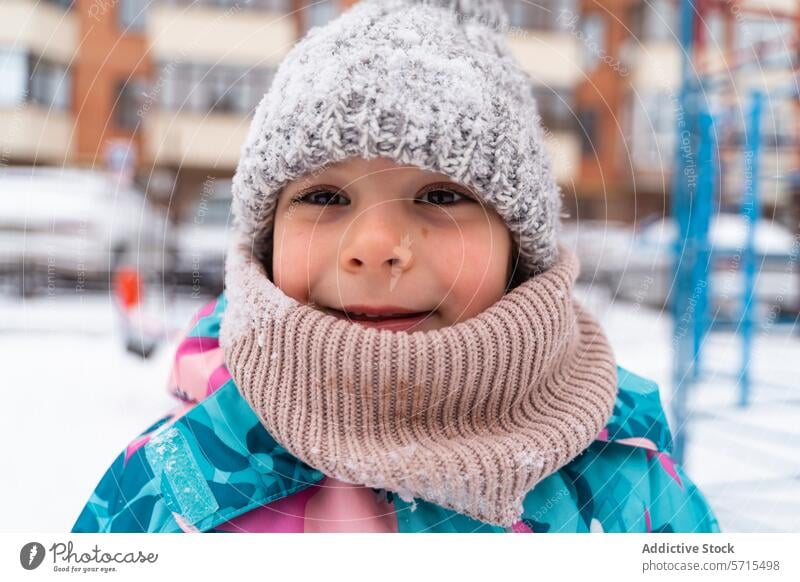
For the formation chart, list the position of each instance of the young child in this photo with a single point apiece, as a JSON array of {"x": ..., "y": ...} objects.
[{"x": 397, "y": 347}]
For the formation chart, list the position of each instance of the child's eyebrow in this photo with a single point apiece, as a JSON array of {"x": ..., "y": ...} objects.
[{"x": 342, "y": 178}]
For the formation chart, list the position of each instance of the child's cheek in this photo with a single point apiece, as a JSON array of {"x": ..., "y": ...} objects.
[
  {"x": 300, "y": 252},
  {"x": 471, "y": 247},
  {"x": 471, "y": 266}
]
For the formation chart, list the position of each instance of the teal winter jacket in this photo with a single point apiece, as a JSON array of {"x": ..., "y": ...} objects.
[{"x": 211, "y": 466}]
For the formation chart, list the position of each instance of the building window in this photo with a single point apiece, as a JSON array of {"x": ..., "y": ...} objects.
[
  {"x": 653, "y": 123},
  {"x": 28, "y": 78},
  {"x": 316, "y": 13},
  {"x": 587, "y": 118},
  {"x": 203, "y": 88},
  {"x": 593, "y": 44},
  {"x": 132, "y": 14},
  {"x": 172, "y": 86},
  {"x": 65, "y": 4},
  {"x": 715, "y": 29},
  {"x": 777, "y": 126},
  {"x": 541, "y": 14},
  {"x": 49, "y": 83},
  {"x": 282, "y": 6},
  {"x": 772, "y": 42},
  {"x": 273, "y": 5},
  {"x": 222, "y": 89},
  {"x": 13, "y": 76},
  {"x": 555, "y": 107},
  {"x": 130, "y": 98},
  {"x": 655, "y": 20}
]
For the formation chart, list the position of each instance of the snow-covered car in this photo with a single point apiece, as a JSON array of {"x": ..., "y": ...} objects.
[
  {"x": 200, "y": 239},
  {"x": 647, "y": 274},
  {"x": 74, "y": 224},
  {"x": 602, "y": 247}
]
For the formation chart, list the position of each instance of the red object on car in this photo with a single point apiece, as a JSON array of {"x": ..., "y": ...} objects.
[{"x": 128, "y": 287}]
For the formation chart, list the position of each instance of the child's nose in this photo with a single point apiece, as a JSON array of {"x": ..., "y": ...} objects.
[{"x": 379, "y": 239}]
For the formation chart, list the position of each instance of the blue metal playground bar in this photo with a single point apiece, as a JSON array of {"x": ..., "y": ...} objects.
[{"x": 693, "y": 199}]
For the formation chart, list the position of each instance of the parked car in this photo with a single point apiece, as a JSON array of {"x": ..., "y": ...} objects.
[
  {"x": 647, "y": 274},
  {"x": 602, "y": 247},
  {"x": 201, "y": 238},
  {"x": 61, "y": 224}
]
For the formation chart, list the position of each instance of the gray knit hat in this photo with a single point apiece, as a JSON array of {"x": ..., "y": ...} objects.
[{"x": 429, "y": 83}]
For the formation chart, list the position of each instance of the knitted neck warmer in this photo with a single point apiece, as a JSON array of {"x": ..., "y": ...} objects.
[{"x": 469, "y": 417}]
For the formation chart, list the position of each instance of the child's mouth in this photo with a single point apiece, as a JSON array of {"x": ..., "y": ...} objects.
[{"x": 391, "y": 319}]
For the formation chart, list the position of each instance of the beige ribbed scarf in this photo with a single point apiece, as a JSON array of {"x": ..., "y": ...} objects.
[{"x": 469, "y": 417}]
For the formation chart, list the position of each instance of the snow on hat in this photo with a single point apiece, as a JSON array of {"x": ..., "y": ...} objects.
[{"x": 429, "y": 83}]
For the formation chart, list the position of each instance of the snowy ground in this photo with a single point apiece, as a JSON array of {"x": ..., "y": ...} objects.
[{"x": 73, "y": 397}]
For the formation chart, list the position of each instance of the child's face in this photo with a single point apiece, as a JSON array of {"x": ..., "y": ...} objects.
[{"x": 375, "y": 234}]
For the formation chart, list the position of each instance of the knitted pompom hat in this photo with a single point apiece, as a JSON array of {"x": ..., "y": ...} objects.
[{"x": 429, "y": 83}]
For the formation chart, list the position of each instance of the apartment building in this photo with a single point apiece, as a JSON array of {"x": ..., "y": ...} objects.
[
  {"x": 213, "y": 61},
  {"x": 167, "y": 87},
  {"x": 629, "y": 102},
  {"x": 162, "y": 90},
  {"x": 38, "y": 44}
]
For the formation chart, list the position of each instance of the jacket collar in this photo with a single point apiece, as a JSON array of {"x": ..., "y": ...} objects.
[{"x": 638, "y": 418}]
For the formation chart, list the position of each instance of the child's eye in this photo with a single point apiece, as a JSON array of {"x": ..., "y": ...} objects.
[
  {"x": 444, "y": 197},
  {"x": 322, "y": 197}
]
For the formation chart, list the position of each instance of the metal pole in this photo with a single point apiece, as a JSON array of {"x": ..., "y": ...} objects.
[
  {"x": 700, "y": 248},
  {"x": 750, "y": 210},
  {"x": 684, "y": 183}
]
